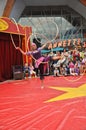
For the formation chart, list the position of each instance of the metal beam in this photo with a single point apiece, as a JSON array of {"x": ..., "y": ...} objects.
[
  {"x": 8, "y": 8},
  {"x": 83, "y": 2}
]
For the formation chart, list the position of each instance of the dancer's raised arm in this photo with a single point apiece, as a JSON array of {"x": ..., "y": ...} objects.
[
  {"x": 18, "y": 48},
  {"x": 45, "y": 44}
]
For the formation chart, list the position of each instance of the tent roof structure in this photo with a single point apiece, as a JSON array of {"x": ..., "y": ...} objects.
[{"x": 19, "y": 8}]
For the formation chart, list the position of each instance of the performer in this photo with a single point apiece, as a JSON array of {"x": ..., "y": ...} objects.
[{"x": 40, "y": 60}]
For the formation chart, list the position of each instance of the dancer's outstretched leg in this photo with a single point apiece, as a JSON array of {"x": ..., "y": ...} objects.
[
  {"x": 42, "y": 84},
  {"x": 42, "y": 81},
  {"x": 41, "y": 68}
]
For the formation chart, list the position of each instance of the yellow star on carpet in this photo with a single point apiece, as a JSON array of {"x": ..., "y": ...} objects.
[{"x": 69, "y": 93}]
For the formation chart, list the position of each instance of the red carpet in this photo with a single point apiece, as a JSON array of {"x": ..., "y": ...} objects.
[{"x": 60, "y": 105}]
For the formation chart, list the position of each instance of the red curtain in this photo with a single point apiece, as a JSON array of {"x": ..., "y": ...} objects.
[{"x": 9, "y": 56}]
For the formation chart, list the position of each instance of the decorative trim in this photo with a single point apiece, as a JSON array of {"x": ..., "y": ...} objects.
[{"x": 3, "y": 25}]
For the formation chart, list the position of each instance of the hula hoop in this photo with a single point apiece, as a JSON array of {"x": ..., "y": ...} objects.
[
  {"x": 44, "y": 43},
  {"x": 57, "y": 29},
  {"x": 34, "y": 34},
  {"x": 27, "y": 48},
  {"x": 70, "y": 80},
  {"x": 17, "y": 30}
]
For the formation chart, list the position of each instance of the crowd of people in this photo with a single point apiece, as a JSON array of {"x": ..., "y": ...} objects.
[{"x": 70, "y": 61}]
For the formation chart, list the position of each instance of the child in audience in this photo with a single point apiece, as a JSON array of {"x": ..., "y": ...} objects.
[
  {"x": 32, "y": 72},
  {"x": 26, "y": 70}
]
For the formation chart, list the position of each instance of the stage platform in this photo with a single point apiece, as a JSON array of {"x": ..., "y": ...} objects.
[{"x": 60, "y": 105}]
